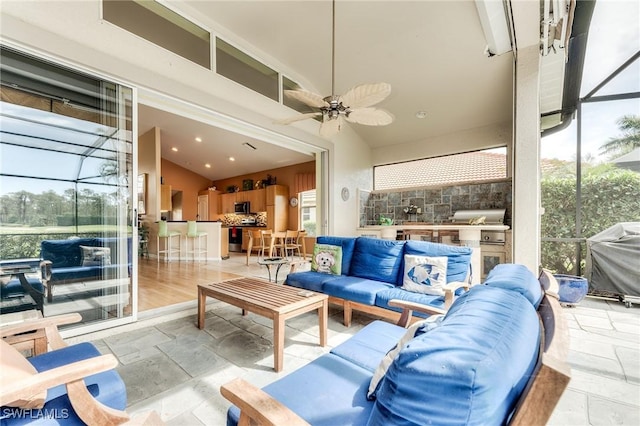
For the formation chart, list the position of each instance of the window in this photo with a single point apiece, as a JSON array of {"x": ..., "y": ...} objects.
[
  {"x": 489, "y": 164},
  {"x": 308, "y": 211}
]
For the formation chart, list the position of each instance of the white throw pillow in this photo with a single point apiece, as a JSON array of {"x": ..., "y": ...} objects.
[
  {"x": 419, "y": 327},
  {"x": 425, "y": 274},
  {"x": 95, "y": 256}
]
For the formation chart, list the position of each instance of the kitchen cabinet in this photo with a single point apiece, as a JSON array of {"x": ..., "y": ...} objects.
[
  {"x": 165, "y": 198},
  {"x": 277, "y": 200},
  {"x": 227, "y": 202},
  {"x": 257, "y": 200}
]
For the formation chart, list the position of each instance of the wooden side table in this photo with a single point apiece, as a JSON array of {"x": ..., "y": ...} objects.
[{"x": 34, "y": 342}]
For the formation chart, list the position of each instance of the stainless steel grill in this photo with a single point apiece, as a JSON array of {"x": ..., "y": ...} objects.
[{"x": 491, "y": 217}]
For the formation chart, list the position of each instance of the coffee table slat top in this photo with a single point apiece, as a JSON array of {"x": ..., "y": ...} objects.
[{"x": 275, "y": 297}]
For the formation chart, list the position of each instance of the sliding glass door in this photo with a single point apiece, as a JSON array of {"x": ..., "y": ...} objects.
[{"x": 66, "y": 187}]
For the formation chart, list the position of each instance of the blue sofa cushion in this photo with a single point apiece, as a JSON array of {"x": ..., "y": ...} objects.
[
  {"x": 384, "y": 296},
  {"x": 309, "y": 280},
  {"x": 65, "y": 253},
  {"x": 107, "y": 387},
  {"x": 458, "y": 258},
  {"x": 325, "y": 381},
  {"x": 14, "y": 289},
  {"x": 518, "y": 278},
  {"x": 347, "y": 244},
  {"x": 368, "y": 346},
  {"x": 355, "y": 289},
  {"x": 457, "y": 374},
  {"x": 379, "y": 260}
]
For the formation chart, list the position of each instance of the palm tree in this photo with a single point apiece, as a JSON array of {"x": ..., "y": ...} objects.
[{"x": 630, "y": 139}]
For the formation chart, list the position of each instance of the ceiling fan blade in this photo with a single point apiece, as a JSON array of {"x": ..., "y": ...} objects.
[
  {"x": 366, "y": 95},
  {"x": 330, "y": 128},
  {"x": 370, "y": 116},
  {"x": 297, "y": 118},
  {"x": 309, "y": 98}
]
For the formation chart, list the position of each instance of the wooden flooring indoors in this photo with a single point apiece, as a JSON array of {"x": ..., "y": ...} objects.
[{"x": 161, "y": 284}]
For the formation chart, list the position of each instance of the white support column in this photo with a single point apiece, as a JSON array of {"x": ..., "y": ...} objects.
[{"x": 526, "y": 158}]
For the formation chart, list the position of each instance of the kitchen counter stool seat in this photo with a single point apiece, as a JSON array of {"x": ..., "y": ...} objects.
[
  {"x": 196, "y": 237},
  {"x": 169, "y": 237}
]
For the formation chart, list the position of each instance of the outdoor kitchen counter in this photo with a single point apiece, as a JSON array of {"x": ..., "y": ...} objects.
[{"x": 469, "y": 235}]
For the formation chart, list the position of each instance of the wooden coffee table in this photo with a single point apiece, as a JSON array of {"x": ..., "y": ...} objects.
[{"x": 270, "y": 300}]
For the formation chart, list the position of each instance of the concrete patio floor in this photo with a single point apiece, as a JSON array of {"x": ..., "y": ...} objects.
[{"x": 172, "y": 367}]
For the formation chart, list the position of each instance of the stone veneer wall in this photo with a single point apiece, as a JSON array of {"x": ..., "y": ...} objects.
[{"x": 438, "y": 203}]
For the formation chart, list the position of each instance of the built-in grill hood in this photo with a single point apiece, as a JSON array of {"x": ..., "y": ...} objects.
[{"x": 491, "y": 216}]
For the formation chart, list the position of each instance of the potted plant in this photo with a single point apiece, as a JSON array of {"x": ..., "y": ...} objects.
[{"x": 387, "y": 233}]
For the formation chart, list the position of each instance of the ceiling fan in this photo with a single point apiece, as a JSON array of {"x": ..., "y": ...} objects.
[{"x": 354, "y": 106}]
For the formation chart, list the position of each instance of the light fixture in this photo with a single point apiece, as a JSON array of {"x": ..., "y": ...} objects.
[
  {"x": 232, "y": 159},
  {"x": 208, "y": 166},
  {"x": 421, "y": 114},
  {"x": 493, "y": 19},
  {"x": 198, "y": 139},
  {"x": 174, "y": 149}
]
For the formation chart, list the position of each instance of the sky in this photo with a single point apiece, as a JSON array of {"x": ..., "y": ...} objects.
[{"x": 614, "y": 36}]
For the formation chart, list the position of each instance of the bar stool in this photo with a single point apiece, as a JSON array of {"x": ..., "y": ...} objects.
[
  {"x": 168, "y": 236},
  {"x": 196, "y": 241}
]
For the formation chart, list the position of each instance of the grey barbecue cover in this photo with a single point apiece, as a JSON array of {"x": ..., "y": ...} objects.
[{"x": 613, "y": 260}]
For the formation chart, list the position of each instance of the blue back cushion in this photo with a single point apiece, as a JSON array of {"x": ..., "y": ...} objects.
[
  {"x": 376, "y": 259},
  {"x": 458, "y": 258},
  {"x": 460, "y": 374},
  {"x": 347, "y": 244},
  {"x": 518, "y": 278},
  {"x": 65, "y": 253}
]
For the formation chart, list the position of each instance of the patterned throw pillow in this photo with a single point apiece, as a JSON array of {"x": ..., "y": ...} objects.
[
  {"x": 327, "y": 259},
  {"x": 424, "y": 274},
  {"x": 95, "y": 256},
  {"x": 416, "y": 329}
]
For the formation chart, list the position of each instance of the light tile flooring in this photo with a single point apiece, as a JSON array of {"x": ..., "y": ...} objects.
[{"x": 172, "y": 367}]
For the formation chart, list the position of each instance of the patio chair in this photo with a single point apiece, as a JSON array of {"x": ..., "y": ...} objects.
[{"x": 68, "y": 385}]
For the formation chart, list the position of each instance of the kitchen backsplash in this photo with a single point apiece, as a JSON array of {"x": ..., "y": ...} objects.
[
  {"x": 437, "y": 203},
  {"x": 232, "y": 219}
]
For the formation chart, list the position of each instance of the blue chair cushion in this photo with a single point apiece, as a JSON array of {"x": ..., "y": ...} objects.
[
  {"x": 65, "y": 253},
  {"x": 456, "y": 374},
  {"x": 518, "y": 278},
  {"x": 347, "y": 244},
  {"x": 368, "y": 346},
  {"x": 325, "y": 382},
  {"x": 355, "y": 289},
  {"x": 13, "y": 288},
  {"x": 376, "y": 259},
  {"x": 458, "y": 258},
  {"x": 107, "y": 387}
]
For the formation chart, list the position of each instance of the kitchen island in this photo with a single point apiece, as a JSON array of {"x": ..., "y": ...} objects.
[
  {"x": 217, "y": 239},
  {"x": 468, "y": 235}
]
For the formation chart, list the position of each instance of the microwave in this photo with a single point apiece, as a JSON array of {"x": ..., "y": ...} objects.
[{"x": 242, "y": 207}]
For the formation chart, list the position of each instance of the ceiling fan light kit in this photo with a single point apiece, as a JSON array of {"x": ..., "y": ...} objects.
[{"x": 354, "y": 106}]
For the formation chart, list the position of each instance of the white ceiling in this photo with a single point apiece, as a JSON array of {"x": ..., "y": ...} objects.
[{"x": 431, "y": 52}]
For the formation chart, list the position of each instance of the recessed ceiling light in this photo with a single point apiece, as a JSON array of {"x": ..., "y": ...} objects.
[
  {"x": 198, "y": 139},
  {"x": 208, "y": 166},
  {"x": 232, "y": 159},
  {"x": 174, "y": 149},
  {"x": 421, "y": 114}
]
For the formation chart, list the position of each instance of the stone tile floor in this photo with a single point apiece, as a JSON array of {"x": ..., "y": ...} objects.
[{"x": 172, "y": 367}]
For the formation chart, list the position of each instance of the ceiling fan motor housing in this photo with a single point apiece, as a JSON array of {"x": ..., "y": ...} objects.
[{"x": 334, "y": 109}]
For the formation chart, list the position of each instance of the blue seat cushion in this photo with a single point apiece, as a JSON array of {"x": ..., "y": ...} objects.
[
  {"x": 456, "y": 374},
  {"x": 379, "y": 260},
  {"x": 107, "y": 387},
  {"x": 347, "y": 244},
  {"x": 316, "y": 392},
  {"x": 458, "y": 258},
  {"x": 355, "y": 289},
  {"x": 368, "y": 346},
  {"x": 65, "y": 253},
  {"x": 88, "y": 272},
  {"x": 309, "y": 280},
  {"x": 14, "y": 289},
  {"x": 384, "y": 296},
  {"x": 518, "y": 278}
]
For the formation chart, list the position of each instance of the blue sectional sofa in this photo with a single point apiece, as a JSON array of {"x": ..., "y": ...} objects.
[
  {"x": 372, "y": 273},
  {"x": 480, "y": 363},
  {"x": 66, "y": 260}
]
